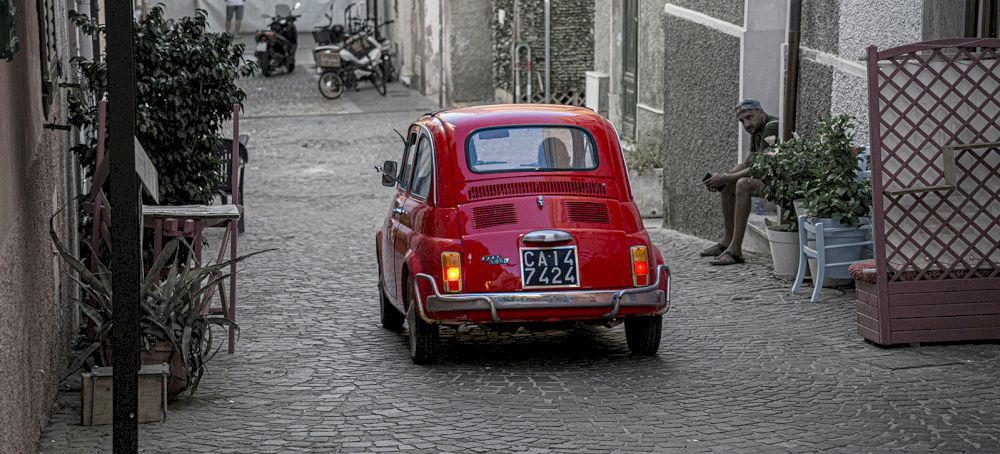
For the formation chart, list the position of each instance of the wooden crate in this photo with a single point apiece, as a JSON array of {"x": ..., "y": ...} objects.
[{"x": 97, "y": 394}]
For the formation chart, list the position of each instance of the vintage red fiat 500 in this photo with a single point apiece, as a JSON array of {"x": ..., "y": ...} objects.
[{"x": 516, "y": 215}]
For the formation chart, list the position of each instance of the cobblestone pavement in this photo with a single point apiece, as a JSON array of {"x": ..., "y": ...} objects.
[{"x": 743, "y": 366}]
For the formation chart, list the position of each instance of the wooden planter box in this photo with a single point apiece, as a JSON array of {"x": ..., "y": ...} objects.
[
  {"x": 934, "y": 316},
  {"x": 97, "y": 394}
]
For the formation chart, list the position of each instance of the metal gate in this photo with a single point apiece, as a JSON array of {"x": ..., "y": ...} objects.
[{"x": 934, "y": 109}]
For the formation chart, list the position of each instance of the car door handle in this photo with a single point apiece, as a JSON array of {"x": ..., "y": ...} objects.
[{"x": 398, "y": 210}]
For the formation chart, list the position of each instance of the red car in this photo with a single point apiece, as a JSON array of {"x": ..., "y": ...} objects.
[{"x": 516, "y": 215}]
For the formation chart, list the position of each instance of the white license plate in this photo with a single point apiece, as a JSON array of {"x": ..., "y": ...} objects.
[
  {"x": 549, "y": 267},
  {"x": 261, "y": 46}
]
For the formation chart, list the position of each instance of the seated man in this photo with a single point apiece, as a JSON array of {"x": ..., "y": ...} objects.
[
  {"x": 737, "y": 187},
  {"x": 553, "y": 154}
]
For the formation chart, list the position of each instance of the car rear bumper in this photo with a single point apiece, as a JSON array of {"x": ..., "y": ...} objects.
[{"x": 650, "y": 297}]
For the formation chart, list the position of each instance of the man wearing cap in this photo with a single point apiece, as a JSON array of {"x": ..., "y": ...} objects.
[{"x": 737, "y": 187}]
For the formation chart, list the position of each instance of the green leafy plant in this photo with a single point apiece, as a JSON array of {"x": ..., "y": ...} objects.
[
  {"x": 821, "y": 170},
  {"x": 641, "y": 159},
  {"x": 185, "y": 89},
  {"x": 834, "y": 190},
  {"x": 782, "y": 169},
  {"x": 173, "y": 308}
]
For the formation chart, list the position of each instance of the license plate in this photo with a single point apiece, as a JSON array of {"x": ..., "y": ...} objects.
[
  {"x": 549, "y": 267},
  {"x": 261, "y": 46}
]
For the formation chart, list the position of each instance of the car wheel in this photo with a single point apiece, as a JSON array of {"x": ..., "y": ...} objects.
[
  {"x": 643, "y": 334},
  {"x": 423, "y": 336},
  {"x": 391, "y": 319},
  {"x": 330, "y": 85}
]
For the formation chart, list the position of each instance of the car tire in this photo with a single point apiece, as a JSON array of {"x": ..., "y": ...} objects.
[
  {"x": 424, "y": 337},
  {"x": 391, "y": 318},
  {"x": 643, "y": 334}
]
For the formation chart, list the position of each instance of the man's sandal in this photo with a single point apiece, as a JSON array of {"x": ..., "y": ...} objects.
[
  {"x": 714, "y": 251},
  {"x": 727, "y": 258}
]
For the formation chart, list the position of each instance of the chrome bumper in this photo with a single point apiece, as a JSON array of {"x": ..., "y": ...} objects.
[{"x": 650, "y": 295}]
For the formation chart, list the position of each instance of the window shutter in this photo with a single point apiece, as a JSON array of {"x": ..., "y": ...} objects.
[{"x": 48, "y": 47}]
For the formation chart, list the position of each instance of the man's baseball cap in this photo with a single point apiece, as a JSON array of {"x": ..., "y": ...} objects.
[{"x": 748, "y": 104}]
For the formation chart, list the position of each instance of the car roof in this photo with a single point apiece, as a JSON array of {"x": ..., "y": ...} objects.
[{"x": 468, "y": 118}]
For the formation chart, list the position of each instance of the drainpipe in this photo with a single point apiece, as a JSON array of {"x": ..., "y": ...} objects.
[
  {"x": 548, "y": 4},
  {"x": 792, "y": 69},
  {"x": 441, "y": 53}
]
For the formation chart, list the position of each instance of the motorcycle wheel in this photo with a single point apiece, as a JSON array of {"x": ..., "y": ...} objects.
[
  {"x": 378, "y": 80},
  {"x": 330, "y": 85},
  {"x": 265, "y": 64}
]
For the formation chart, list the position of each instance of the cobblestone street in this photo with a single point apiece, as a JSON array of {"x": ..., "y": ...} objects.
[{"x": 743, "y": 366}]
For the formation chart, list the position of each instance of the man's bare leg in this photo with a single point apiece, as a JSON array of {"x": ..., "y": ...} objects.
[
  {"x": 745, "y": 188},
  {"x": 728, "y": 193}
]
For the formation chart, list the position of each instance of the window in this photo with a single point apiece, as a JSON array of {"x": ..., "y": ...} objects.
[
  {"x": 961, "y": 18},
  {"x": 48, "y": 47},
  {"x": 530, "y": 149},
  {"x": 407, "y": 165},
  {"x": 424, "y": 170}
]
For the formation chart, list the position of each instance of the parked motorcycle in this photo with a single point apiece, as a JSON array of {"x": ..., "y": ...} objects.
[
  {"x": 276, "y": 44},
  {"x": 343, "y": 66}
]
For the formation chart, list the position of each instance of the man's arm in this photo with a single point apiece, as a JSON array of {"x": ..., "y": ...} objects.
[{"x": 741, "y": 170}]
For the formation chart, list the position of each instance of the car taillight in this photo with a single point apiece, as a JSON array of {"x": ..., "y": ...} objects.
[
  {"x": 451, "y": 271},
  {"x": 640, "y": 266}
]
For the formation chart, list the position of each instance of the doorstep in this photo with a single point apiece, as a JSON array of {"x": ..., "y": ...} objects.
[{"x": 755, "y": 239}]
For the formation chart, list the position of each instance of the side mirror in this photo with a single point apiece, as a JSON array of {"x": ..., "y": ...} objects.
[{"x": 388, "y": 170}]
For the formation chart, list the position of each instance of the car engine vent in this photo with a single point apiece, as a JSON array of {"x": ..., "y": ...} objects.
[
  {"x": 591, "y": 212},
  {"x": 493, "y": 215},
  {"x": 536, "y": 187}
]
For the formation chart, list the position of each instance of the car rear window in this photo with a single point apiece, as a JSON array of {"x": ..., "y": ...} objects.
[{"x": 530, "y": 149}]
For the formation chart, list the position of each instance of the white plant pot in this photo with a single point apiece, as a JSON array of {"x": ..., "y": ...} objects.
[{"x": 784, "y": 251}]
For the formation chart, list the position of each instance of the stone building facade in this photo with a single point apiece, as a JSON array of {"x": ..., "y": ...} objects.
[
  {"x": 36, "y": 317},
  {"x": 697, "y": 58},
  {"x": 460, "y": 51}
]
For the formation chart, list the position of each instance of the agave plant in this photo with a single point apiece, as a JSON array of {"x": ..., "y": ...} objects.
[{"x": 174, "y": 299}]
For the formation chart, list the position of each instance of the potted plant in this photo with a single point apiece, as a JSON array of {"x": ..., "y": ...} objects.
[
  {"x": 835, "y": 195},
  {"x": 645, "y": 165},
  {"x": 781, "y": 169},
  {"x": 176, "y": 327}
]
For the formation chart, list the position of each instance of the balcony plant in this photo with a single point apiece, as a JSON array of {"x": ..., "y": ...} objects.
[{"x": 176, "y": 327}]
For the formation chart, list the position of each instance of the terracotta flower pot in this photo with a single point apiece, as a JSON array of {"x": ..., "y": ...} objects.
[{"x": 163, "y": 352}]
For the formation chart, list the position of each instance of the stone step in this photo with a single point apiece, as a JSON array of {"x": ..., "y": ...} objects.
[{"x": 755, "y": 239}]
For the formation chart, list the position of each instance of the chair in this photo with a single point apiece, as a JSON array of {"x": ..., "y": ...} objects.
[
  {"x": 225, "y": 188},
  {"x": 817, "y": 232}
]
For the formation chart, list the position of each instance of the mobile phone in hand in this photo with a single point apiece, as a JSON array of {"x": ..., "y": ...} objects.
[{"x": 705, "y": 178}]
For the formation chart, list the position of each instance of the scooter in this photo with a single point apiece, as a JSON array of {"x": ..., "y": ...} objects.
[
  {"x": 276, "y": 44},
  {"x": 344, "y": 66}
]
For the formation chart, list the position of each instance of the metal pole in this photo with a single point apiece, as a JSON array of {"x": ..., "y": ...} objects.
[
  {"x": 441, "y": 53},
  {"x": 548, "y": 4},
  {"x": 125, "y": 226},
  {"x": 792, "y": 69}
]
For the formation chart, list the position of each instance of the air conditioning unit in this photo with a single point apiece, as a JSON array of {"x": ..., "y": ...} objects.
[{"x": 597, "y": 92}]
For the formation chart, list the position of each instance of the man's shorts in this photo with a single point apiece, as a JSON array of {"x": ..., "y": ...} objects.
[{"x": 234, "y": 11}]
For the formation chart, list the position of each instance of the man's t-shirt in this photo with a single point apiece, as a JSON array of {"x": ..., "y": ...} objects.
[
  {"x": 234, "y": 2},
  {"x": 770, "y": 128}
]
